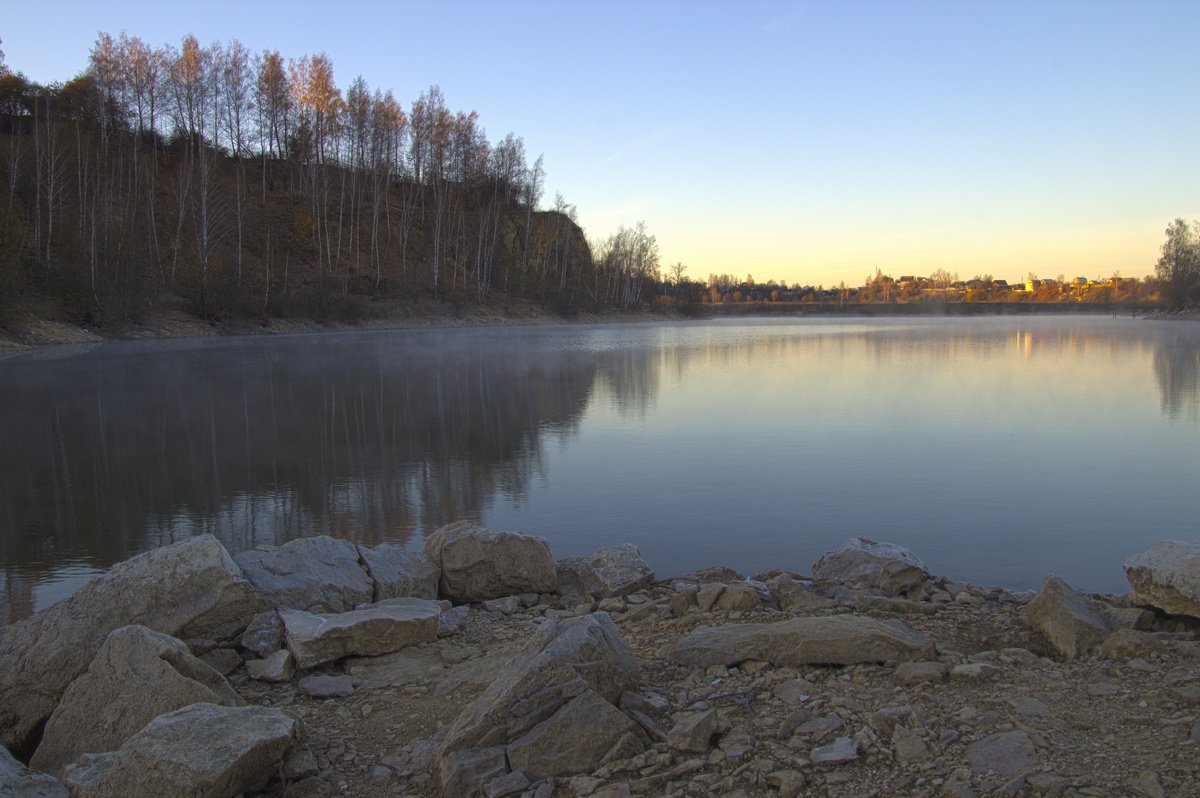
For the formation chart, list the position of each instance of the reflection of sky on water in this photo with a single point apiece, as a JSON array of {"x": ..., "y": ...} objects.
[{"x": 998, "y": 449}]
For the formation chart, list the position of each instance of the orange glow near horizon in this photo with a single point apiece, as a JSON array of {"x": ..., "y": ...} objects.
[{"x": 1128, "y": 250}]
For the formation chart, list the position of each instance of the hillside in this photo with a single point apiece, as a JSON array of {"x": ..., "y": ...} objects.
[{"x": 248, "y": 190}]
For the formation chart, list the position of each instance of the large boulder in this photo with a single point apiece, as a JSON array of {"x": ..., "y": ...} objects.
[
  {"x": 376, "y": 629},
  {"x": 1071, "y": 623},
  {"x": 18, "y": 781},
  {"x": 137, "y": 675},
  {"x": 1167, "y": 577},
  {"x": 479, "y": 564},
  {"x": 200, "y": 750},
  {"x": 606, "y": 573},
  {"x": 398, "y": 572},
  {"x": 828, "y": 640},
  {"x": 192, "y": 590},
  {"x": 862, "y": 563},
  {"x": 549, "y": 697},
  {"x": 320, "y": 574},
  {"x": 574, "y": 739}
]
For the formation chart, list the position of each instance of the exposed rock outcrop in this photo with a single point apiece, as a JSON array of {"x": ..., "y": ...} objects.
[
  {"x": 478, "y": 564},
  {"x": 192, "y": 590},
  {"x": 137, "y": 675}
]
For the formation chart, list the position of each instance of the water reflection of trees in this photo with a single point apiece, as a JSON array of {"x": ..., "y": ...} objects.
[
  {"x": 1177, "y": 369},
  {"x": 371, "y": 438},
  {"x": 382, "y": 436}
]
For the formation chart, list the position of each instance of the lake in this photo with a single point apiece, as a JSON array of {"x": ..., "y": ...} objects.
[{"x": 998, "y": 449}]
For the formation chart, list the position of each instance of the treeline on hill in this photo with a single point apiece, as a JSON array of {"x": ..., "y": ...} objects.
[{"x": 251, "y": 185}]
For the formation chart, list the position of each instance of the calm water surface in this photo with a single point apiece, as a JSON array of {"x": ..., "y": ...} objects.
[{"x": 998, "y": 449}]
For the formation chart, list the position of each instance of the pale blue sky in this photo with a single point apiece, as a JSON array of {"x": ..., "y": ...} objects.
[{"x": 808, "y": 142}]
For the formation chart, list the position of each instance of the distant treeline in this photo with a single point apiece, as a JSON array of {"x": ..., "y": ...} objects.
[
  {"x": 250, "y": 184},
  {"x": 1175, "y": 284},
  {"x": 938, "y": 289}
]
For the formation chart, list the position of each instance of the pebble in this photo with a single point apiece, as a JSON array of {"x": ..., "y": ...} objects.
[{"x": 838, "y": 752}]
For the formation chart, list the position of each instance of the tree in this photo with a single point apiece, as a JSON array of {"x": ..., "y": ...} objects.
[
  {"x": 1179, "y": 266},
  {"x": 940, "y": 278}
]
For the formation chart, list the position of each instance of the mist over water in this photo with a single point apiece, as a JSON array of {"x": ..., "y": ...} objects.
[{"x": 998, "y": 449}]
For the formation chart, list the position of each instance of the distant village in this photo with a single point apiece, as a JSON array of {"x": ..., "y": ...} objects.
[{"x": 885, "y": 289}]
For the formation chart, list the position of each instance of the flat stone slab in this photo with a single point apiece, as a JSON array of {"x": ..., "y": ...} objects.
[
  {"x": 832, "y": 640},
  {"x": 376, "y": 629}
]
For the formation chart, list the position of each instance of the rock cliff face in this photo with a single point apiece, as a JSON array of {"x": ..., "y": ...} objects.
[{"x": 885, "y": 680}]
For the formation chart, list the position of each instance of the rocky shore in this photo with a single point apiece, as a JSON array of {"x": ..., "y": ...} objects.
[{"x": 483, "y": 667}]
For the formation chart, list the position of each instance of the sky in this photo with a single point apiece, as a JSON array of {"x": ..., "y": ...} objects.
[{"x": 803, "y": 142}]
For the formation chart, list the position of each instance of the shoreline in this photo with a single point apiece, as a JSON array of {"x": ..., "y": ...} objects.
[
  {"x": 28, "y": 332},
  {"x": 32, "y": 330},
  {"x": 866, "y": 676}
]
